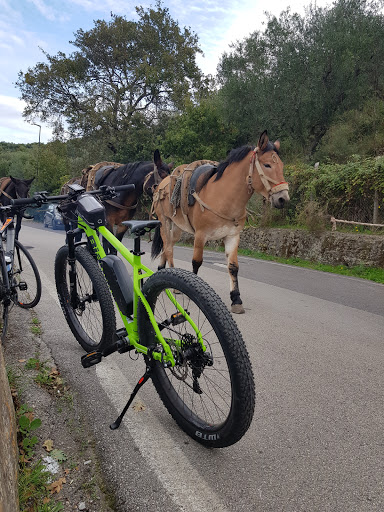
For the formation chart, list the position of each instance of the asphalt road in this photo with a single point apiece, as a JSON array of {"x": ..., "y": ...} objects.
[{"x": 316, "y": 442}]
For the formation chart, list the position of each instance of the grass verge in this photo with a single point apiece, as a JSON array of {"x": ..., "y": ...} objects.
[{"x": 362, "y": 271}]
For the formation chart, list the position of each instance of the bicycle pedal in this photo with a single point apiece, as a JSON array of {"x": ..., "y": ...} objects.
[
  {"x": 23, "y": 286},
  {"x": 91, "y": 359},
  {"x": 178, "y": 318}
]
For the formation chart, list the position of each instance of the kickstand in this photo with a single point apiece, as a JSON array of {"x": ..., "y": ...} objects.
[{"x": 141, "y": 382}]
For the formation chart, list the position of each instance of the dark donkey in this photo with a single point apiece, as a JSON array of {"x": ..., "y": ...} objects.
[
  {"x": 144, "y": 175},
  {"x": 13, "y": 188}
]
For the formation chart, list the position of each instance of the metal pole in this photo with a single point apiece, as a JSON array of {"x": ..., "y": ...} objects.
[{"x": 38, "y": 150}]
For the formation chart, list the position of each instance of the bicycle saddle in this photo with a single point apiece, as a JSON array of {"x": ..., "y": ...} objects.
[{"x": 139, "y": 227}]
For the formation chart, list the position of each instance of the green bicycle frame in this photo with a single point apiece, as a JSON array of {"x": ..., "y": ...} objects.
[{"x": 140, "y": 272}]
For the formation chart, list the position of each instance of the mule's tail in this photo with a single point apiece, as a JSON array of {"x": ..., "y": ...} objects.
[{"x": 157, "y": 244}]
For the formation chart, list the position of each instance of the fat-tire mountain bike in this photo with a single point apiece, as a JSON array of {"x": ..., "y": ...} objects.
[
  {"x": 192, "y": 347},
  {"x": 20, "y": 279}
]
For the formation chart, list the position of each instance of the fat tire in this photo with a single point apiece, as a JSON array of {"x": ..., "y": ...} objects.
[
  {"x": 4, "y": 308},
  {"x": 28, "y": 302},
  {"x": 101, "y": 325},
  {"x": 205, "y": 302}
]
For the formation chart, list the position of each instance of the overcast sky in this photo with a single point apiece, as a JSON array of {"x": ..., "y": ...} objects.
[{"x": 27, "y": 25}]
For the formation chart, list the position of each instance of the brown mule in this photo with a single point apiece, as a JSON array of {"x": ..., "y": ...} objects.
[{"x": 219, "y": 208}]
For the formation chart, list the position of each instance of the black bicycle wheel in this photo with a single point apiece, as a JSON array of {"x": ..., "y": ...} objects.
[
  {"x": 4, "y": 307},
  {"x": 25, "y": 282},
  {"x": 92, "y": 319},
  {"x": 210, "y": 394}
]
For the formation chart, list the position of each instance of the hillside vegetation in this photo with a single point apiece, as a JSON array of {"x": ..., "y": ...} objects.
[{"x": 315, "y": 82}]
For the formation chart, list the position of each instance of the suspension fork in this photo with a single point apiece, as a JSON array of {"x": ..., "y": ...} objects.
[
  {"x": 72, "y": 269},
  {"x": 8, "y": 228},
  {"x": 6, "y": 284},
  {"x": 10, "y": 242}
]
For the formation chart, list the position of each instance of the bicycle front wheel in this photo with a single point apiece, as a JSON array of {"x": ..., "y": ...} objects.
[
  {"x": 4, "y": 307},
  {"x": 26, "y": 282},
  {"x": 211, "y": 394},
  {"x": 90, "y": 313}
]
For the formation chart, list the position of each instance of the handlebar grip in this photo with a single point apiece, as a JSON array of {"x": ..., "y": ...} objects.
[
  {"x": 120, "y": 188},
  {"x": 24, "y": 200}
]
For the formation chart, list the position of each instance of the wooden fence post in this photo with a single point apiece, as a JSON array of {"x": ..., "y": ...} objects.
[{"x": 375, "y": 207}]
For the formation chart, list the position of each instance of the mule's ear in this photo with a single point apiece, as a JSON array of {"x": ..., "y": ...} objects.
[
  {"x": 277, "y": 144},
  {"x": 15, "y": 180},
  {"x": 157, "y": 158},
  {"x": 171, "y": 166},
  {"x": 263, "y": 141},
  {"x": 30, "y": 181}
]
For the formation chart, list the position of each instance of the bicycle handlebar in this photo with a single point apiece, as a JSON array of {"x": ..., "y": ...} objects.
[{"x": 42, "y": 197}]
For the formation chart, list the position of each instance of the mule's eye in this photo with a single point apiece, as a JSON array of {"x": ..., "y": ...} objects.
[{"x": 267, "y": 165}]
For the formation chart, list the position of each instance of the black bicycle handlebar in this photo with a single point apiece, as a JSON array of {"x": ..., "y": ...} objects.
[{"x": 42, "y": 197}]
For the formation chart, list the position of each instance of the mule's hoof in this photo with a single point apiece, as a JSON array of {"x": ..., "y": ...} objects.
[{"x": 237, "y": 308}]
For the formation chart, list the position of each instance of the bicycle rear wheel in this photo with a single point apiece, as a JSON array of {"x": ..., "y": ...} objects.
[
  {"x": 26, "y": 282},
  {"x": 210, "y": 394},
  {"x": 91, "y": 314}
]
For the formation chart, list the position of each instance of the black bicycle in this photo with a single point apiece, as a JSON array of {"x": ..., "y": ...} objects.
[{"x": 20, "y": 279}]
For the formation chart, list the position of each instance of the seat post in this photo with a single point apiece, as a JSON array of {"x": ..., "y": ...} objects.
[{"x": 136, "y": 246}]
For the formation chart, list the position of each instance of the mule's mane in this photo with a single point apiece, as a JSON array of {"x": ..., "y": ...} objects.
[
  {"x": 237, "y": 155},
  {"x": 127, "y": 172}
]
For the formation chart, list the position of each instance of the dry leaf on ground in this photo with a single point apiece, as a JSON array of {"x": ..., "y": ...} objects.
[
  {"x": 48, "y": 445},
  {"x": 57, "y": 485}
]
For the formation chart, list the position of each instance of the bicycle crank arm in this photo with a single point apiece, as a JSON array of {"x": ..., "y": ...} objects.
[{"x": 121, "y": 345}]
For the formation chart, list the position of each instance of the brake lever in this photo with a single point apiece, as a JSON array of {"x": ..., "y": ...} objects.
[
  {"x": 40, "y": 197},
  {"x": 107, "y": 192}
]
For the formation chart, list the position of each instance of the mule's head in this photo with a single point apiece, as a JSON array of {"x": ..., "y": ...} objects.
[
  {"x": 160, "y": 171},
  {"x": 269, "y": 169},
  {"x": 21, "y": 187}
]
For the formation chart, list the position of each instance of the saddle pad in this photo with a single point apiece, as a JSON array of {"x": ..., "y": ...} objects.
[
  {"x": 186, "y": 179},
  {"x": 101, "y": 174},
  {"x": 89, "y": 173},
  {"x": 199, "y": 178}
]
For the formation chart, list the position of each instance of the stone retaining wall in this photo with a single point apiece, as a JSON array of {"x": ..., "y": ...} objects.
[
  {"x": 8, "y": 445},
  {"x": 329, "y": 247}
]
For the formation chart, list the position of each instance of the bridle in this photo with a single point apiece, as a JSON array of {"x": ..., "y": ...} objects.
[
  {"x": 157, "y": 180},
  {"x": 265, "y": 180}
]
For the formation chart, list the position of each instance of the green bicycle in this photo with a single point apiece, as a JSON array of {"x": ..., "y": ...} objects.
[{"x": 192, "y": 347}]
